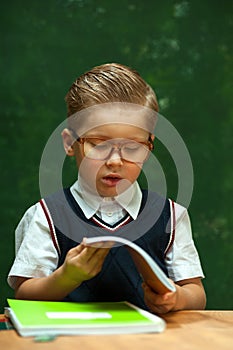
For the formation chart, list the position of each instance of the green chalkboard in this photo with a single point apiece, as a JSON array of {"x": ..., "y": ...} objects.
[{"x": 182, "y": 48}]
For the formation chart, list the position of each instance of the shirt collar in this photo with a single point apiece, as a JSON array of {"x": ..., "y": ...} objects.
[{"x": 129, "y": 200}]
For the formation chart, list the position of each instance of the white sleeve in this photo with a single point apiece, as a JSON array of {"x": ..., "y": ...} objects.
[
  {"x": 36, "y": 255},
  {"x": 182, "y": 259}
]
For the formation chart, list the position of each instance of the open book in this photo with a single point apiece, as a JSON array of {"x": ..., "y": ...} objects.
[
  {"x": 150, "y": 271},
  {"x": 51, "y": 318}
]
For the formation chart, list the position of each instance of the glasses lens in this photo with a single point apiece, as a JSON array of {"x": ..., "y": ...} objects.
[
  {"x": 131, "y": 151},
  {"x": 97, "y": 149},
  {"x": 134, "y": 152}
]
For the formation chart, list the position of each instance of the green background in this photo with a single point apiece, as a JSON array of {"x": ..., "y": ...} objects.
[{"x": 182, "y": 48}]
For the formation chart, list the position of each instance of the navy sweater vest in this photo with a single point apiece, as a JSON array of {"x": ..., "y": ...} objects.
[{"x": 119, "y": 279}]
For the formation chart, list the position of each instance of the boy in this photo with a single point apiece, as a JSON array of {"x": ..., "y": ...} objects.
[{"x": 112, "y": 113}]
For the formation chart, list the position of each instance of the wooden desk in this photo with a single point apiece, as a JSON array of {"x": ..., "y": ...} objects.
[{"x": 185, "y": 330}]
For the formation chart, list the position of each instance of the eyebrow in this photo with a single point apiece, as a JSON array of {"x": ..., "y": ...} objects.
[{"x": 104, "y": 138}]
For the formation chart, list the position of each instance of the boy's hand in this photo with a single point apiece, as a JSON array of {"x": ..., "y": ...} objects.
[
  {"x": 189, "y": 295},
  {"x": 83, "y": 262},
  {"x": 159, "y": 303}
]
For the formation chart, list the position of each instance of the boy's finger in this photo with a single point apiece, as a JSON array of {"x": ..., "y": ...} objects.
[
  {"x": 88, "y": 253},
  {"x": 98, "y": 244}
]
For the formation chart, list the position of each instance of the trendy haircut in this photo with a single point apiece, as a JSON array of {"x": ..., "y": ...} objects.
[{"x": 111, "y": 82}]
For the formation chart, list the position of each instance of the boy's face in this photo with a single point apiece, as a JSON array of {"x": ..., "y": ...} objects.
[{"x": 100, "y": 156}]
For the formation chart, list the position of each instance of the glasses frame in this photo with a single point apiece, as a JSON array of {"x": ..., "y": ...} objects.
[{"x": 149, "y": 143}]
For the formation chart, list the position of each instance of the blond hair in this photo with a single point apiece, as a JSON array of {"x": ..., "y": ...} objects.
[{"x": 111, "y": 82}]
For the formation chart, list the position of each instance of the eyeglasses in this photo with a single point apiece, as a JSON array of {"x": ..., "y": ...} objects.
[{"x": 129, "y": 150}]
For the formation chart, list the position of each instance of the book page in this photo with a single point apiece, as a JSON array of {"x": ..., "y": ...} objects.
[{"x": 151, "y": 273}]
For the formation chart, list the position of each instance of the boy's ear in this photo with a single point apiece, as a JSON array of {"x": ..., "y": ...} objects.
[{"x": 68, "y": 141}]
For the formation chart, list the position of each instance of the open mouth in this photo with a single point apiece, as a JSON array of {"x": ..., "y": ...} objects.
[{"x": 111, "y": 180}]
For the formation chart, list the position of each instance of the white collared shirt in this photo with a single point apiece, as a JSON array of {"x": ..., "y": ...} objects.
[
  {"x": 36, "y": 255},
  {"x": 109, "y": 209}
]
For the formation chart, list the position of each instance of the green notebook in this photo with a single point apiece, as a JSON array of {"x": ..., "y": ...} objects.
[{"x": 32, "y": 318}]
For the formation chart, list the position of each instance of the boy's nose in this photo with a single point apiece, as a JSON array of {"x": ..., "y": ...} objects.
[{"x": 114, "y": 158}]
